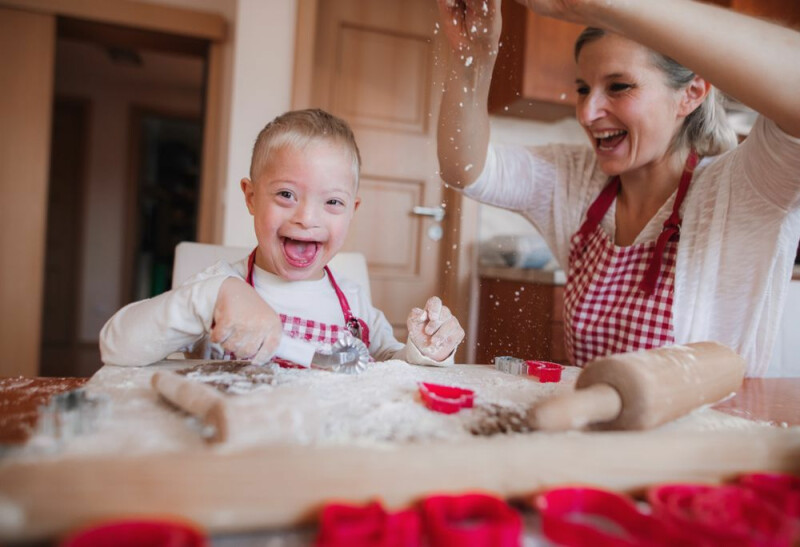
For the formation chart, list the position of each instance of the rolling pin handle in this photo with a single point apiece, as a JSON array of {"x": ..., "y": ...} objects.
[{"x": 595, "y": 404}]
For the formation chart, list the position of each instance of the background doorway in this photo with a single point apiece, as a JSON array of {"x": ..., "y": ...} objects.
[{"x": 126, "y": 156}]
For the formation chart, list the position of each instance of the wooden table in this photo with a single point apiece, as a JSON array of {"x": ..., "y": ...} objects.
[
  {"x": 20, "y": 399},
  {"x": 259, "y": 489},
  {"x": 775, "y": 400}
]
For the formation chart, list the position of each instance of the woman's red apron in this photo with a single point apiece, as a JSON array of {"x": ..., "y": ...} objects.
[{"x": 619, "y": 299}]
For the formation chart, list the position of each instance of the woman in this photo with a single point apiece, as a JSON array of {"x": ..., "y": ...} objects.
[{"x": 669, "y": 231}]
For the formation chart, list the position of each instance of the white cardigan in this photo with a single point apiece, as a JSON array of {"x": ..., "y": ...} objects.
[{"x": 741, "y": 225}]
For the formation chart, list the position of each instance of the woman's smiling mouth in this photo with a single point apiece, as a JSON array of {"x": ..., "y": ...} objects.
[{"x": 609, "y": 139}]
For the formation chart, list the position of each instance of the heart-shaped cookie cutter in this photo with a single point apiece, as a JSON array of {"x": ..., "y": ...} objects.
[{"x": 445, "y": 399}]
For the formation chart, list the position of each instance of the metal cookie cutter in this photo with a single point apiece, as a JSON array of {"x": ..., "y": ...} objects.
[
  {"x": 71, "y": 413},
  {"x": 348, "y": 355},
  {"x": 544, "y": 371}
]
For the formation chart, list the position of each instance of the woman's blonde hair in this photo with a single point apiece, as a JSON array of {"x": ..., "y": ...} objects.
[
  {"x": 707, "y": 129},
  {"x": 298, "y": 128}
]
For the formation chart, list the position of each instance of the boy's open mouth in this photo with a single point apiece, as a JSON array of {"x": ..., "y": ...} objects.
[
  {"x": 300, "y": 254},
  {"x": 608, "y": 140}
]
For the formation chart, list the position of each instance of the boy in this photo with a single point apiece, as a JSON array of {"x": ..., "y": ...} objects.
[{"x": 302, "y": 195}]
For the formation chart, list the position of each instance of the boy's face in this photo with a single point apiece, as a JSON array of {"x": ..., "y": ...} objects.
[{"x": 302, "y": 203}]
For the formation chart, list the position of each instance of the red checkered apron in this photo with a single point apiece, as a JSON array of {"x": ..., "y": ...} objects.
[
  {"x": 619, "y": 299},
  {"x": 313, "y": 331}
]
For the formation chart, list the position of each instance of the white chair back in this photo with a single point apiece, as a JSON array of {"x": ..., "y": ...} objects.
[{"x": 191, "y": 258}]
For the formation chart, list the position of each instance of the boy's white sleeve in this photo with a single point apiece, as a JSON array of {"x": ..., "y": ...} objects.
[
  {"x": 149, "y": 330},
  {"x": 411, "y": 354}
]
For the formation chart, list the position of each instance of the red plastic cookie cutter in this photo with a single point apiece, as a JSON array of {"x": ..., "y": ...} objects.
[
  {"x": 470, "y": 520},
  {"x": 780, "y": 489},
  {"x": 545, "y": 371},
  {"x": 367, "y": 526},
  {"x": 600, "y": 518},
  {"x": 138, "y": 532},
  {"x": 723, "y": 515},
  {"x": 445, "y": 399}
]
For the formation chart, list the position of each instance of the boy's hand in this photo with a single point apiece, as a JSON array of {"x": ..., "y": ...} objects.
[
  {"x": 434, "y": 330},
  {"x": 244, "y": 324}
]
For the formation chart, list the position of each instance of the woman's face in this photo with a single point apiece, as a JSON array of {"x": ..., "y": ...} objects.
[{"x": 625, "y": 105}]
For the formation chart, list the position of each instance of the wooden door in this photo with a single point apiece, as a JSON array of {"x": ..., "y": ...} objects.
[
  {"x": 27, "y": 45},
  {"x": 374, "y": 65}
]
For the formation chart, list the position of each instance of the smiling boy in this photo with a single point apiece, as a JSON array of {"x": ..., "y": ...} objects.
[{"x": 302, "y": 194}]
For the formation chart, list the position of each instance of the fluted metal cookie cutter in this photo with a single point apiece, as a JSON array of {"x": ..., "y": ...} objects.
[{"x": 349, "y": 355}]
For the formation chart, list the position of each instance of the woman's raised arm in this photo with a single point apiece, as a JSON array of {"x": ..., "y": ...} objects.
[
  {"x": 472, "y": 28},
  {"x": 752, "y": 60}
]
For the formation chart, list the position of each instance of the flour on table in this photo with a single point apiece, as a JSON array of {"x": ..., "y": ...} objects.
[
  {"x": 278, "y": 406},
  {"x": 273, "y": 404}
]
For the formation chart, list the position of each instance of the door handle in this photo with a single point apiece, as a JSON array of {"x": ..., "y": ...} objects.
[{"x": 436, "y": 212}]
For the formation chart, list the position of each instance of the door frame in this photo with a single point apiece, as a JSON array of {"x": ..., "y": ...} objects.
[
  {"x": 136, "y": 15},
  {"x": 457, "y": 283}
]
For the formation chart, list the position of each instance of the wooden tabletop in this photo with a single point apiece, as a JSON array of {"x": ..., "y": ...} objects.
[
  {"x": 20, "y": 399},
  {"x": 776, "y": 400}
]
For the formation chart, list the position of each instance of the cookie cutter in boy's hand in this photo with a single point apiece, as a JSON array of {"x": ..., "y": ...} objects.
[
  {"x": 348, "y": 355},
  {"x": 544, "y": 371},
  {"x": 445, "y": 399}
]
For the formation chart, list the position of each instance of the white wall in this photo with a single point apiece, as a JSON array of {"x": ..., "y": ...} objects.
[
  {"x": 506, "y": 130},
  {"x": 263, "y": 63}
]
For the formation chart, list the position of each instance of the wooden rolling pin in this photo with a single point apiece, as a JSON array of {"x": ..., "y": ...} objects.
[
  {"x": 643, "y": 389},
  {"x": 196, "y": 398}
]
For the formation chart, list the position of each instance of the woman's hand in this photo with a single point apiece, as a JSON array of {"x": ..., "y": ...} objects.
[
  {"x": 472, "y": 27},
  {"x": 244, "y": 324},
  {"x": 434, "y": 331}
]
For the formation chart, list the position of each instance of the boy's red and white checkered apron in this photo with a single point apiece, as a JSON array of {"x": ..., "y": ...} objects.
[
  {"x": 619, "y": 299},
  {"x": 314, "y": 331}
]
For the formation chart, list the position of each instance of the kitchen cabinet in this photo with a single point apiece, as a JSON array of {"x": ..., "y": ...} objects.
[
  {"x": 520, "y": 314},
  {"x": 786, "y": 12},
  {"x": 534, "y": 76}
]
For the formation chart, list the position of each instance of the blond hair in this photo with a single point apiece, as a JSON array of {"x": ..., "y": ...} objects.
[
  {"x": 707, "y": 128},
  {"x": 298, "y": 128}
]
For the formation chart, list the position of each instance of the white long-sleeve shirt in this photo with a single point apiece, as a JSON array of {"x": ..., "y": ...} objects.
[
  {"x": 741, "y": 225},
  {"x": 179, "y": 320}
]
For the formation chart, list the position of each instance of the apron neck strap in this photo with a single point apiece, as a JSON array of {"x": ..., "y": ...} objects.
[{"x": 672, "y": 227}]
